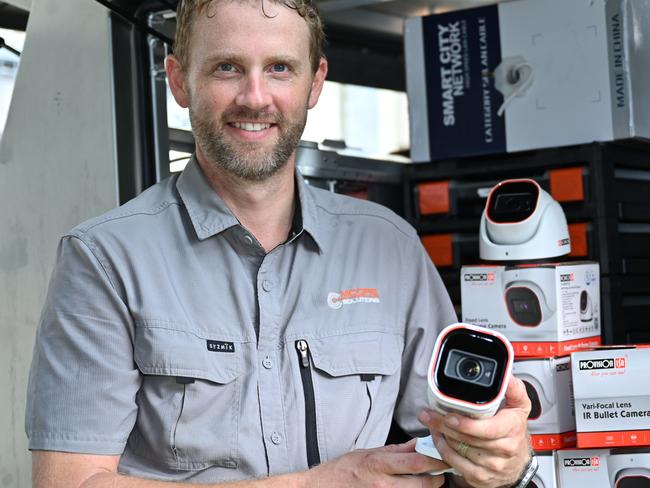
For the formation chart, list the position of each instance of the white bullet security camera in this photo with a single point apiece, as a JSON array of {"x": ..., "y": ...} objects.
[
  {"x": 629, "y": 468},
  {"x": 469, "y": 370},
  {"x": 586, "y": 307},
  {"x": 522, "y": 222},
  {"x": 468, "y": 374}
]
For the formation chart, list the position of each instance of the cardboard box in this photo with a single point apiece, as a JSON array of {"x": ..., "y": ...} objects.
[
  {"x": 552, "y": 423},
  {"x": 578, "y": 468},
  {"x": 545, "y": 476},
  {"x": 570, "y": 72},
  {"x": 612, "y": 397},
  {"x": 544, "y": 310}
]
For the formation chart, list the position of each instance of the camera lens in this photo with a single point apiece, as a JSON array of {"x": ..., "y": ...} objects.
[
  {"x": 514, "y": 202},
  {"x": 469, "y": 369}
]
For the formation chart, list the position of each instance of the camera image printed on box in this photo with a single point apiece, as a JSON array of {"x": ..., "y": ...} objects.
[
  {"x": 615, "y": 468},
  {"x": 551, "y": 422}
]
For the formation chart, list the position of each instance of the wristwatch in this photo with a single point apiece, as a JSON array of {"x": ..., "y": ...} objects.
[{"x": 529, "y": 472}]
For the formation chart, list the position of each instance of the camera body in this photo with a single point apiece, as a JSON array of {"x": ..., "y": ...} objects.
[
  {"x": 586, "y": 307},
  {"x": 629, "y": 468},
  {"x": 521, "y": 221},
  {"x": 469, "y": 370}
]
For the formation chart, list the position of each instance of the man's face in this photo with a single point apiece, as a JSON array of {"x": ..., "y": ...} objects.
[{"x": 248, "y": 86}]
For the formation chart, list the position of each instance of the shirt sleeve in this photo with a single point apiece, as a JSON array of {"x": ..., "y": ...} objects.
[
  {"x": 428, "y": 309},
  {"x": 83, "y": 381}
]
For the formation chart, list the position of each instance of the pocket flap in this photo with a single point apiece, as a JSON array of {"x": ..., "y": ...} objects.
[
  {"x": 171, "y": 352},
  {"x": 358, "y": 353}
]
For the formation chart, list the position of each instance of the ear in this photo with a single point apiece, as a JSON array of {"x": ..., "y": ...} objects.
[
  {"x": 317, "y": 82},
  {"x": 177, "y": 80}
]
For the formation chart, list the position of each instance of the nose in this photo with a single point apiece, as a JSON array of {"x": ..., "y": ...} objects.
[{"x": 253, "y": 93}]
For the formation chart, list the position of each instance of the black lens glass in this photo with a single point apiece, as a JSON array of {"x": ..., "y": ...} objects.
[
  {"x": 512, "y": 202},
  {"x": 524, "y": 306},
  {"x": 469, "y": 368},
  {"x": 633, "y": 482}
]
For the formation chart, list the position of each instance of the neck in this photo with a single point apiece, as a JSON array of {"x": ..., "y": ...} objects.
[{"x": 264, "y": 208}]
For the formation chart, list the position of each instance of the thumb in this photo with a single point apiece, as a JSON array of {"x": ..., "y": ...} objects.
[{"x": 516, "y": 396}]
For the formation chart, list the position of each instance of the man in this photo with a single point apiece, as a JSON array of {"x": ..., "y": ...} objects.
[{"x": 234, "y": 326}]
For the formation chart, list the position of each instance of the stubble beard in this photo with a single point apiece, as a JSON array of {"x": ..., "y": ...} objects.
[{"x": 246, "y": 160}]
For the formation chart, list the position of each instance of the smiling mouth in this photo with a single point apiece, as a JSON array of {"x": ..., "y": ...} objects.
[{"x": 251, "y": 126}]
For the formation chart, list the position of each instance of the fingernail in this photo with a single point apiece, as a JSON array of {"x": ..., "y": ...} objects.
[
  {"x": 452, "y": 421},
  {"x": 424, "y": 417}
]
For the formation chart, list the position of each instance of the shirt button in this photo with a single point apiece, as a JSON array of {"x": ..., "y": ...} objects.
[
  {"x": 267, "y": 363},
  {"x": 248, "y": 239},
  {"x": 276, "y": 438},
  {"x": 267, "y": 285}
]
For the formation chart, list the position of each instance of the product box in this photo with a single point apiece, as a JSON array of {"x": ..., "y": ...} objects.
[
  {"x": 544, "y": 310},
  {"x": 612, "y": 396},
  {"x": 545, "y": 476},
  {"x": 527, "y": 74},
  {"x": 581, "y": 468},
  {"x": 629, "y": 468},
  {"x": 551, "y": 423}
]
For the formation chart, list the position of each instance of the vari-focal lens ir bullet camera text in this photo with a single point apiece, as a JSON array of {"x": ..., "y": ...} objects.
[{"x": 469, "y": 370}]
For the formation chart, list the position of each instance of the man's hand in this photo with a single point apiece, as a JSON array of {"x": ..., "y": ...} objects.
[
  {"x": 494, "y": 450},
  {"x": 389, "y": 466}
]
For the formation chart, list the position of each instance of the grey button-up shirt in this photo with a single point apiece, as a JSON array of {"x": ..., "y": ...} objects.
[{"x": 170, "y": 337}]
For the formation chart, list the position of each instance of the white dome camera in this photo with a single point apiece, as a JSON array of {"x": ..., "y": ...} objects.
[
  {"x": 469, "y": 370},
  {"x": 586, "y": 307},
  {"x": 522, "y": 222},
  {"x": 525, "y": 290},
  {"x": 629, "y": 468}
]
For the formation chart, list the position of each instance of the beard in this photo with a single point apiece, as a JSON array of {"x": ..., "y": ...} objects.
[{"x": 249, "y": 161}]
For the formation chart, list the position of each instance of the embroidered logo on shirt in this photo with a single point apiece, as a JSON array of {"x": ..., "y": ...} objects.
[
  {"x": 221, "y": 346},
  {"x": 356, "y": 295}
]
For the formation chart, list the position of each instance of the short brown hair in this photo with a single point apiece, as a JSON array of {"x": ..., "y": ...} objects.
[{"x": 188, "y": 10}]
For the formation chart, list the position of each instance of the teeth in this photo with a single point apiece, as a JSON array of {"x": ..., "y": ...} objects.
[{"x": 251, "y": 126}]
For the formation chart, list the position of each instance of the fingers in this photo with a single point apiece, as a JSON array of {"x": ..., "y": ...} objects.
[
  {"x": 507, "y": 423},
  {"x": 405, "y": 447},
  {"x": 399, "y": 463}
]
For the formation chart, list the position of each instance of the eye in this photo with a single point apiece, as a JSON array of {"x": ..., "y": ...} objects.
[
  {"x": 280, "y": 68},
  {"x": 226, "y": 67}
]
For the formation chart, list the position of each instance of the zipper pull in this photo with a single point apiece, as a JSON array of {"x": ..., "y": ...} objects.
[{"x": 303, "y": 349}]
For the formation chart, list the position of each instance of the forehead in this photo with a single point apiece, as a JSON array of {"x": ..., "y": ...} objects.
[{"x": 249, "y": 28}]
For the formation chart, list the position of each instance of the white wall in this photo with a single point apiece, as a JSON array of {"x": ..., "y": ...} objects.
[
  {"x": 25, "y": 5},
  {"x": 57, "y": 168}
]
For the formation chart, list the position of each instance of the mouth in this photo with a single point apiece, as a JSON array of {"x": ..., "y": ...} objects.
[{"x": 251, "y": 126}]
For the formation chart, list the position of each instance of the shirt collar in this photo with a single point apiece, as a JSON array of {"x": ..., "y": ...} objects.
[
  {"x": 308, "y": 210},
  {"x": 210, "y": 215},
  {"x": 208, "y": 212}
]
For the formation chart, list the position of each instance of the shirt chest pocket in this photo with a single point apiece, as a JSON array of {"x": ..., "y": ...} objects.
[
  {"x": 354, "y": 388},
  {"x": 188, "y": 404}
]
